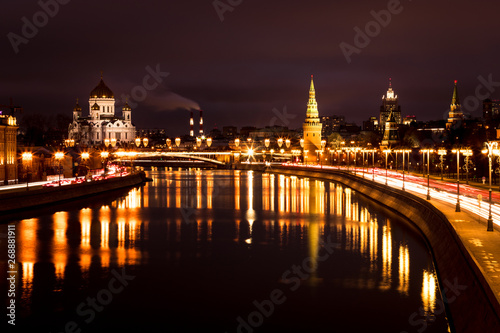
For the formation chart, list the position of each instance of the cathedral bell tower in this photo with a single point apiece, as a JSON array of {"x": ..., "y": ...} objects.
[{"x": 312, "y": 126}]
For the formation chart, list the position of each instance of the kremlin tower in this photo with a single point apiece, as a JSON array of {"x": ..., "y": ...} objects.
[
  {"x": 455, "y": 115},
  {"x": 312, "y": 126}
]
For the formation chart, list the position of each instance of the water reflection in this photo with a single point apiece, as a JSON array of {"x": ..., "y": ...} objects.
[{"x": 242, "y": 207}]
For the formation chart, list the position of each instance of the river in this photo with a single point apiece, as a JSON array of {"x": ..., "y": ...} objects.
[{"x": 224, "y": 251}]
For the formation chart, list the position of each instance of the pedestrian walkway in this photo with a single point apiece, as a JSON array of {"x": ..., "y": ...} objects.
[{"x": 483, "y": 246}]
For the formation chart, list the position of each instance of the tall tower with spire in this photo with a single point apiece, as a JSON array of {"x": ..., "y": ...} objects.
[
  {"x": 455, "y": 115},
  {"x": 389, "y": 106},
  {"x": 312, "y": 126}
]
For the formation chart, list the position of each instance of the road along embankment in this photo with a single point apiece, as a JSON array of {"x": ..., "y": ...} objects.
[
  {"x": 469, "y": 298},
  {"x": 23, "y": 200}
]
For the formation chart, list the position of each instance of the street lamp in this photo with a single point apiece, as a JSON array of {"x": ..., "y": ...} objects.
[
  {"x": 198, "y": 142},
  {"x": 287, "y": 143},
  {"x": 442, "y": 154},
  {"x": 177, "y": 141},
  {"x": 104, "y": 157},
  {"x": 85, "y": 156},
  {"x": 59, "y": 156},
  {"x": 428, "y": 151},
  {"x": 267, "y": 142},
  {"x": 27, "y": 158},
  {"x": 302, "y": 143},
  {"x": 387, "y": 152},
  {"x": 209, "y": 142},
  {"x": 145, "y": 142},
  {"x": 280, "y": 142},
  {"x": 457, "y": 151},
  {"x": 237, "y": 142},
  {"x": 404, "y": 151},
  {"x": 113, "y": 142},
  {"x": 106, "y": 142},
  {"x": 467, "y": 153},
  {"x": 138, "y": 142},
  {"x": 491, "y": 151}
]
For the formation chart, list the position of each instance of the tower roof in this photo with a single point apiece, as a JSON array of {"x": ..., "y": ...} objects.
[
  {"x": 77, "y": 106},
  {"x": 126, "y": 107},
  {"x": 455, "y": 100},
  {"x": 101, "y": 91}
]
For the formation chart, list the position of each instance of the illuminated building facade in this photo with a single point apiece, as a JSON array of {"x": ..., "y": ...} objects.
[
  {"x": 102, "y": 122},
  {"x": 312, "y": 126},
  {"x": 455, "y": 116},
  {"x": 389, "y": 105},
  {"x": 8, "y": 149}
]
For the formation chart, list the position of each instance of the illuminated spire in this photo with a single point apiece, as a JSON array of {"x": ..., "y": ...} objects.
[
  {"x": 312, "y": 106},
  {"x": 455, "y": 100}
]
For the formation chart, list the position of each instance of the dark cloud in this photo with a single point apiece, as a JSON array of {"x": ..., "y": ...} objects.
[{"x": 258, "y": 59}]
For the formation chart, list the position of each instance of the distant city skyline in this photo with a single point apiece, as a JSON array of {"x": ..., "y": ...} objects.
[{"x": 241, "y": 65}]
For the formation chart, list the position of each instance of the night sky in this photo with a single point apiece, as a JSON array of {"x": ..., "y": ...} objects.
[{"x": 259, "y": 58}]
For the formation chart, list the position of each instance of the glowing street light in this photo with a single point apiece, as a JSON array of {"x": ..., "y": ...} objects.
[
  {"x": 267, "y": 142},
  {"x": 27, "y": 157},
  {"x": 323, "y": 143},
  {"x": 106, "y": 142},
  {"x": 428, "y": 151},
  {"x": 287, "y": 143},
  {"x": 236, "y": 142},
  {"x": 302, "y": 143},
  {"x": 467, "y": 153},
  {"x": 169, "y": 142},
  {"x": 145, "y": 142},
  {"x": 113, "y": 142},
  {"x": 387, "y": 152},
  {"x": 457, "y": 151},
  {"x": 404, "y": 151},
  {"x": 138, "y": 141},
  {"x": 492, "y": 150},
  {"x": 280, "y": 142},
  {"x": 442, "y": 153},
  {"x": 59, "y": 156},
  {"x": 85, "y": 156},
  {"x": 209, "y": 142},
  {"x": 198, "y": 142},
  {"x": 177, "y": 141},
  {"x": 104, "y": 158}
]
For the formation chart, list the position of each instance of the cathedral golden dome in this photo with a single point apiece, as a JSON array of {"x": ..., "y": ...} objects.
[{"x": 101, "y": 91}]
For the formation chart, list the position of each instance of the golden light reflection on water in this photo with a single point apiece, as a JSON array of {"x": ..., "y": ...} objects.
[
  {"x": 404, "y": 269},
  {"x": 429, "y": 292},
  {"x": 386, "y": 257},
  {"x": 60, "y": 248}
]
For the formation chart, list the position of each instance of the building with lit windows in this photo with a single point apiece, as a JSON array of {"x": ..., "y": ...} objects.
[
  {"x": 102, "y": 122},
  {"x": 312, "y": 125},
  {"x": 8, "y": 149},
  {"x": 389, "y": 106}
]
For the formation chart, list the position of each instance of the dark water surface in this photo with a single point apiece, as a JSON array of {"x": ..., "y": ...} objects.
[{"x": 225, "y": 251}]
